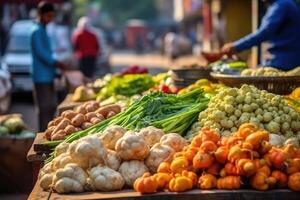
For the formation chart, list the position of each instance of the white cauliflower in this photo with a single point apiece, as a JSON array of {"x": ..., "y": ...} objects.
[
  {"x": 88, "y": 151},
  {"x": 71, "y": 178},
  {"x": 131, "y": 170},
  {"x": 46, "y": 176},
  {"x": 174, "y": 141},
  {"x": 132, "y": 146},
  {"x": 158, "y": 154},
  {"x": 111, "y": 135},
  {"x": 61, "y": 161},
  {"x": 105, "y": 179},
  {"x": 61, "y": 148},
  {"x": 151, "y": 134},
  {"x": 113, "y": 160}
]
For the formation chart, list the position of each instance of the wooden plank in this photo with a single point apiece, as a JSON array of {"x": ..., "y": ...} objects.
[
  {"x": 37, "y": 151},
  {"x": 196, "y": 194},
  {"x": 38, "y": 194}
]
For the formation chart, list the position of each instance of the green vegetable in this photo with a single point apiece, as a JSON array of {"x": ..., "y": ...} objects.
[
  {"x": 3, "y": 131},
  {"x": 127, "y": 85},
  {"x": 14, "y": 124},
  {"x": 171, "y": 113}
]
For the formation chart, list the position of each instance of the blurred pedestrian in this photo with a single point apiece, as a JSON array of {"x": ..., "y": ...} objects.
[
  {"x": 280, "y": 27},
  {"x": 86, "y": 46},
  {"x": 44, "y": 65}
]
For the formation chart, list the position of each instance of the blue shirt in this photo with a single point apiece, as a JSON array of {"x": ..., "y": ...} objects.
[
  {"x": 43, "y": 70},
  {"x": 281, "y": 27}
]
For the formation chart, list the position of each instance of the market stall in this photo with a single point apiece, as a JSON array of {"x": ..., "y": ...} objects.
[
  {"x": 208, "y": 140},
  {"x": 15, "y": 141}
]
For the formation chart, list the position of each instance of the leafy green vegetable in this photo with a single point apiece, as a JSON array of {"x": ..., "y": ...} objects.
[{"x": 127, "y": 85}]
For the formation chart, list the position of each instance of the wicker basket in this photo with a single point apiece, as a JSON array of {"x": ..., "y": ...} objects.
[{"x": 274, "y": 84}]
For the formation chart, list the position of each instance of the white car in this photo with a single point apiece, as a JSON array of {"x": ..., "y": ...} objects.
[{"x": 17, "y": 58}]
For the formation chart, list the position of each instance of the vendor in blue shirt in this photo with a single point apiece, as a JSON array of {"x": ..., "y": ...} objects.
[
  {"x": 43, "y": 66},
  {"x": 281, "y": 28}
]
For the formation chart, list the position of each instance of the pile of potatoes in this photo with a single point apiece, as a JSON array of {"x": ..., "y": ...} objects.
[{"x": 81, "y": 118}]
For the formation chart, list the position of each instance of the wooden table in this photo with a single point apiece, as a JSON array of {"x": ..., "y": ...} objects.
[
  {"x": 36, "y": 157},
  {"x": 38, "y": 194}
]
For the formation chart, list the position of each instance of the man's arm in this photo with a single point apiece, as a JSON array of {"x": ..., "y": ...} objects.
[
  {"x": 271, "y": 23},
  {"x": 40, "y": 51}
]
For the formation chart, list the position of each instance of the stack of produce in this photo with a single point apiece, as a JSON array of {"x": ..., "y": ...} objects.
[
  {"x": 270, "y": 71},
  {"x": 246, "y": 159},
  {"x": 81, "y": 118},
  {"x": 228, "y": 66},
  {"x": 13, "y": 125},
  {"x": 127, "y": 85},
  {"x": 232, "y": 107},
  {"x": 207, "y": 86},
  {"x": 171, "y": 113},
  {"x": 108, "y": 161}
]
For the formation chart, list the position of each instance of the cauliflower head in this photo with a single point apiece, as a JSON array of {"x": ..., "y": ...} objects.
[
  {"x": 174, "y": 141},
  {"x": 113, "y": 160},
  {"x": 151, "y": 134},
  {"x": 46, "y": 176},
  {"x": 158, "y": 154},
  {"x": 71, "y": 178},
  {"x": 132, "y": 146},
  {"x": 103, "y": 178},
  {"x": 111, "y": 135},
  {"x": 88, "y": 151},
  {"x": 61, "y": 161},
  {"x": 132, "y": 170},
  {"x": 61, "y": 148}
]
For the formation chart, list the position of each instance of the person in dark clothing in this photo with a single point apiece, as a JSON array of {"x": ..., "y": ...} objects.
[
  {"x": 86, "y": 47},
  {"x": 43, "y": 66},
  {"x": 280, "y": 26}
]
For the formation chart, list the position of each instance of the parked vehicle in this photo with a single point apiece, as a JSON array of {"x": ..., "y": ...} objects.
[{"x": 17, "y": 58}]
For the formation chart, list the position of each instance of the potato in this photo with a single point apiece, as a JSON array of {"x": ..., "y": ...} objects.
[
  {"x": 78, "y": 119},
  {"x": 86, "y": 125},
  {"x": 95, "y": 120},
  {"x": 81, "y": 110},
  {"x": 106, "y": 109},
  {"x": 69, "y": 114},
  {"x": 95, "y": 104},
  {"x": 77, "y": 129},
  {"x": 90, "y": 115},
  {"x": 110, "y": 114},
  {"x": 100, "y": 116},
  {"x": 57, "y": 120},
  {"x": 51, "y": 124},
  {"x": 90, "y": 108},
  {"x": 70, "y": 129},
  {"x": 60, "y": 135},
  {"x": 62, "y": 125},
  {"x": 48, "y": 132}
]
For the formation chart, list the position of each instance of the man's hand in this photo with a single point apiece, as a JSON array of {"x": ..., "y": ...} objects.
[
  {"x": 228, "y": 49},
  {"x": 61, "y": 65}
]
